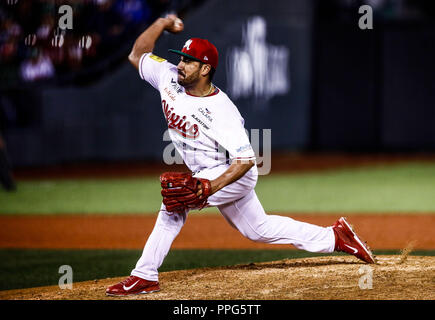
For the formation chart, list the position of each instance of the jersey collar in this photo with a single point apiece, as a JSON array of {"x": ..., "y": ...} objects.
[{"x": 211, "y": 94}]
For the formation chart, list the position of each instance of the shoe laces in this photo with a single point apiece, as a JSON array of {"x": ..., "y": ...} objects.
[{"x": 126, "y": 281}]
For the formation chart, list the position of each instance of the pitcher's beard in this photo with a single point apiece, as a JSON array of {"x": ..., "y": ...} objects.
[
  {"x": 187, "y": 81},
  {"x": 181, "y": 80}
]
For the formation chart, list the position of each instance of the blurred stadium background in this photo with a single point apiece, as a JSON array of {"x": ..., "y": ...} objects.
[{"x": 80, "y": 133}]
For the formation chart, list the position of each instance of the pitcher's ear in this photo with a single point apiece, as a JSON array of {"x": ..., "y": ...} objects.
[{"x": 206, "y": 68}]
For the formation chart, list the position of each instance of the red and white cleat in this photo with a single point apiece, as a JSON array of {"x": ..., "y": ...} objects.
[
  {"x": 346, "y": 240},
  {"x": 133, "y": 285}
]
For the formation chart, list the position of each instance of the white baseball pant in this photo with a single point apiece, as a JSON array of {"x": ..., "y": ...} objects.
[{"x": 239, "y": 205}]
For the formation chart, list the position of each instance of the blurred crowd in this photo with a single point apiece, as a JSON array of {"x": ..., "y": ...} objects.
[{"x": 34, "y": 46}]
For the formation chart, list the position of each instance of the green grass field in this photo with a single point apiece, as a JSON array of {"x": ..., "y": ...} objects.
[{"x": 400, "y": 188}]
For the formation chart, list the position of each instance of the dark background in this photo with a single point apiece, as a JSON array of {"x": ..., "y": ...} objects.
[{"x": 351, "y": 90}]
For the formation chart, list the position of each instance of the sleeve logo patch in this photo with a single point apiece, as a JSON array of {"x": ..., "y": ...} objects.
[
  {"x": 244, "y": 148},
  {"x": 156, "y": 58}
]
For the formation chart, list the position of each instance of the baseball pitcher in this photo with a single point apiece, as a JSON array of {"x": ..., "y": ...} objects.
[{"x": 202, "y": 122}]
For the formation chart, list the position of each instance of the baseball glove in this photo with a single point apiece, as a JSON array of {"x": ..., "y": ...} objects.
[{"x": 179, "y": 191}]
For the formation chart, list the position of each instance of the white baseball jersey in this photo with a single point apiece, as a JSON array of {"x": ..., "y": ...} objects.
[{"x": 206, "y": 131}]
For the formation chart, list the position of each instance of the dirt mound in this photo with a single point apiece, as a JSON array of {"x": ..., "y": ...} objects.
[{"x": 337, "y": 277}]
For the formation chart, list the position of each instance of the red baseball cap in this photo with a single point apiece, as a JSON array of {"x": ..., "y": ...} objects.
[{"x": 200, "y": 50}]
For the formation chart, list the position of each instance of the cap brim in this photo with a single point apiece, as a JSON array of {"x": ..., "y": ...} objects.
[{"x": 184, "y": 54}]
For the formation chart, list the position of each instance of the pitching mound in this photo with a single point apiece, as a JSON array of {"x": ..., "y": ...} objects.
[{"x": 338, "y": 277}]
